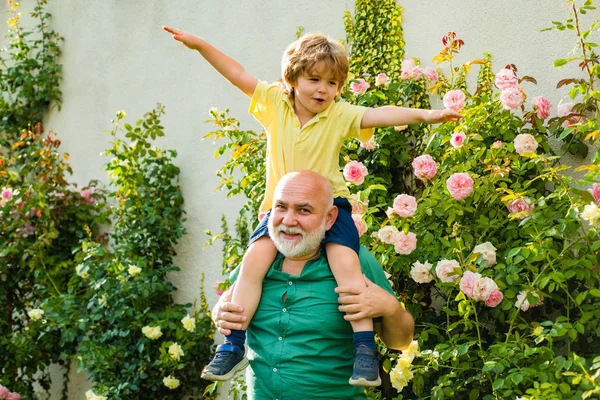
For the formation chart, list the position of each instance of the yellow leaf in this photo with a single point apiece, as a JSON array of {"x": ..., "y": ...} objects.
[
  {"x": 66, "y": 156},
  {"x": 593, "y": 135}
]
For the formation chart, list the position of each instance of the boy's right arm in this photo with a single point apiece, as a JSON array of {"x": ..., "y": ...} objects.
[{"x": 225, "y": 65}]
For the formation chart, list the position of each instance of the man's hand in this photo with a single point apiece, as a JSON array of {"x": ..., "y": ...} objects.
[
  {"x": 227, "y": 315},
  {"x": 368, "y": 302},
  {"x": 190, "y": 41},
  {"x": 437, "y": 116}
]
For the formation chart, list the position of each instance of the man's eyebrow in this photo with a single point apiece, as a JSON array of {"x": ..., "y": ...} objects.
[{"x": 306, "y": 204}]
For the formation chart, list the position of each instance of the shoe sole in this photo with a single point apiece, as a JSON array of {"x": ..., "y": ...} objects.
[
  {"x": 238, "y": 367},
  {"x": 364, "y": 383}
]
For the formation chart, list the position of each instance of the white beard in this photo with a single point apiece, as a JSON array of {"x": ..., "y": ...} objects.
[{"x": 309, "y": 243}]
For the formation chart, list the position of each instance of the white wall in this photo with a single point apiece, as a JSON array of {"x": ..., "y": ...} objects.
[{"x": 117, "y": 57}]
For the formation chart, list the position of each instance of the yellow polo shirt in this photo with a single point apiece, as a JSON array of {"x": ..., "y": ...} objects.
[{"x": 316, "y": 146}]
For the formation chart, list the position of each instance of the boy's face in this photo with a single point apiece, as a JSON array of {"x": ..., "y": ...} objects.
[{"x": 315, "y": 90}]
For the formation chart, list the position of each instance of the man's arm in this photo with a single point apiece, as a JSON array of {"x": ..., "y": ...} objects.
[
  {"x": 225, "y": 65},
  {"x": 395, "y": 116},
  {"x": 397, "y": 327}
]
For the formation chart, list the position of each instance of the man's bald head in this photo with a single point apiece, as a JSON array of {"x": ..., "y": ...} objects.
[{"x": 315, "y": 185}]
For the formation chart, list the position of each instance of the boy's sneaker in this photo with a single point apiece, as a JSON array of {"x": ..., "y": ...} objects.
[
  {"x": 228, "y": 360},
  {"x": 366, "y": 368}
]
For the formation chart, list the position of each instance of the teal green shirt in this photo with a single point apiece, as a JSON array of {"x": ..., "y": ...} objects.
[{"x": 301, "y": 347}]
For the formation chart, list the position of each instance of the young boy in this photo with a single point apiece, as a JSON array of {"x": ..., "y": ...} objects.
[{"x": 305, "y": 129}]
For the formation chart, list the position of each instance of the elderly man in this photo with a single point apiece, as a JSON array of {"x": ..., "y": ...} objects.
[{"x": 300, "y": 343}]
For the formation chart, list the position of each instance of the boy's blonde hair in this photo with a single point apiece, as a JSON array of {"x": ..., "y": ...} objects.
[{"x": 305, "y": 53}]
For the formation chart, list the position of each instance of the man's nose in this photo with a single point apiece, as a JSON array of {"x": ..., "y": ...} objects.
[{"x": 289, "y": 219}]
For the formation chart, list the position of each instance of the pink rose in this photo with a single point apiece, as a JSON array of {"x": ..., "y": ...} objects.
[
  {"x": 361, "y": 226},
  {"x": 541, "y": 105},
  {"x": 458, "y": 139},
  {"x": 216, "y": 288},
  {"x": 494, "y": 299},
  {"x": 388, "y": 234},
  {"x": 425, "y": 167},
  {"x": 506, "y": 79},
  {"x": 359, "y": 86},
  {"x": 445, "y": 270},
  {"x": 3, "y": 392},
  {"x": 13, "y": 396},
  {"x": 87, "y": 195},
  {"x": 7, "y": 193},
  {"x": 431, "y": 74},
  {"x": 525, "y": 143},
  {"x": 521, "y": 205},
  {"x": 358, "y": 206},
  {"x": 454, "y": 100},
  {"x": 405, "y": 244},
  {"x": 596, "y": 191},
  {"x": 409, "y": 70},
  {"x": 355, "y": 172},
  {"x": 370, "y": 145},
  {"x": 467, "y": 282},
  {"x": 511, "y": 98},
  {"x": 483, "y": 289},
  {"x": 564, "y": 110},
  {"x": 460, "y": 185},
  {"x": 497, "y": 145},
  {"x": 405, "y": 205},
  {"x": 381, "y": 79}
]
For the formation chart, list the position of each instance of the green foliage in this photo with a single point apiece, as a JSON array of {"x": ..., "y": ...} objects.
[
  {"x": 375, "y": 38},
  {"x": 582, "y": 90},
  {"x": 29, "y": 73},
  {"x": 541, "y": 340},
  {"x": 42, "y": 216},
  {"x": 122, "y": 289}
]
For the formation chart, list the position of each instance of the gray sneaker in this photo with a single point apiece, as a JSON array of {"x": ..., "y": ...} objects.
[
  {"x": 366, "y": 368},
  {"x": 228, "y": 360}
]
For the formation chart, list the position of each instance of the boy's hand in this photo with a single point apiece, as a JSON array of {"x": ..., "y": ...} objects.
[
  {"x": 189, "y": 40},
  {"x": 437, "y": 116}
]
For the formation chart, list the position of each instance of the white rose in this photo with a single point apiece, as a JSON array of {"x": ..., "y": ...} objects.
[
  {"x": 189, "y": 324},
  {"x": 134, "y": 270},
  {"x": 421, "y": 273},
  {"x": 35, "y": 314},
  {"x": 152, "y": 332},
  {"x": 525, "y": 143},
  {"x": 170, "y": 382},
  {"x": 488, "y": 253},
  {"x": 175, "y": 352},
  {"x": 591, "y": 213}
]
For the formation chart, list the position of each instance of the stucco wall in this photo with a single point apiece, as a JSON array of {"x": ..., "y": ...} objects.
[{"x": 116, "y": 57}]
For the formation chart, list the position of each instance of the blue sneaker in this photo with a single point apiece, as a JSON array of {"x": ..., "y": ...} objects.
[
  {"x": 228, "y": 360},
  {"x": 366, "y": 368}
]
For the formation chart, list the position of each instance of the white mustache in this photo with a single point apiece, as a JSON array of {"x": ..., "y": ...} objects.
[{"x": 289, "y": 230}]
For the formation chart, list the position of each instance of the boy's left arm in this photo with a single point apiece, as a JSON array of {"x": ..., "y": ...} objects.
[{"x": 395, "y": 116}]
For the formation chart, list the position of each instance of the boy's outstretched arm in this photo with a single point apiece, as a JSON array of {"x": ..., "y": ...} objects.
[
  {"x": 394, "y": 116},
  {"x": 225, "y": 65}
]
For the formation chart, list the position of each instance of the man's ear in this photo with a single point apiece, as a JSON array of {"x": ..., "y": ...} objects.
[{"x": 331, "y": 217}]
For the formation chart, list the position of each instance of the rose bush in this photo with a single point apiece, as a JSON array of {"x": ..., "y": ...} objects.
[{"x": 499, "y": 265}]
